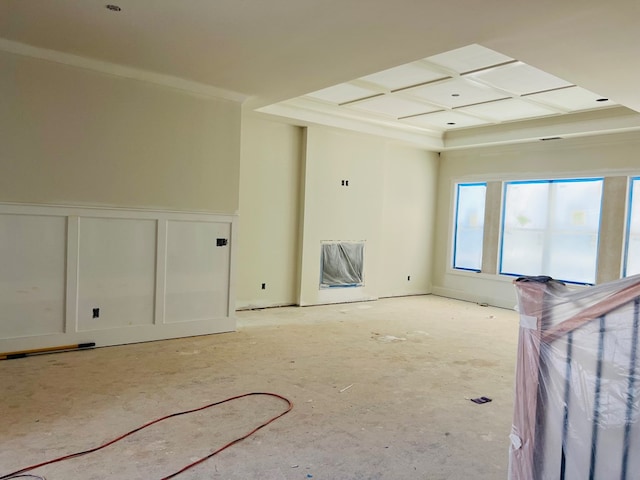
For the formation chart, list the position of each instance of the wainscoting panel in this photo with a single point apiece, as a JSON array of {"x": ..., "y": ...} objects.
[
  {"x": 32, "y": 274},
  {"x": 116, "y": 274},
  {"x": 197, "y": 271},
  {"x": 72, "y": 275}
]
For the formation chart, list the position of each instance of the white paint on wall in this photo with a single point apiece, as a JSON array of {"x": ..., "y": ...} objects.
[
  {"x": 72, "y": 136},
  {"x": 408, "y": 213},
  {"x": 197, "y": 276},
  {"x": 32, "y": 274},
  {"x": 605, "y": 155},
  {"x": 116, "y": 272},
  {"x": 79, "y": 137},
  {"x": 285, "y": 202},
  {"x": 336, "y": 212},
  {"x": 381, "y": 205},
  {"x": 269, "y": 212},
  {"x": 138, "y": 267}
]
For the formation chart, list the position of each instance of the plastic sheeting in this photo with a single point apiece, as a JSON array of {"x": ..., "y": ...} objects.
[
  {"x": 577, "y": 382},
  {"x": 342, "y": 264}
]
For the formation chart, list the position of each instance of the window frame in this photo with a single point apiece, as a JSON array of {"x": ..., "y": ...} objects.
[
  {"x": 458, "y": 185},
  {"x": 627, "y": 233},
  {"x": 549, "y": 182}
]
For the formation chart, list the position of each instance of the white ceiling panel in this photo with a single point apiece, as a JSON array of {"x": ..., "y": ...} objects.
[
  {"x": 447, "y": 120},
  {"x": 572, "y": 99},
  {"x": 393, "y": 106},
  {"x": 345, "y": 92},
  {"x": 520, "y": 79},
  {"x": 507, "y": 110},
  {"x": 469, "y": 58},
  {"x": 404, "y": 76},
  {"x": 456, "y": 92},
  {"x": 467, "y": 87}
]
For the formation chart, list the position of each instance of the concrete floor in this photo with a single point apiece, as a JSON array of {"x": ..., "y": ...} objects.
[{"x": 412, "y": 363}]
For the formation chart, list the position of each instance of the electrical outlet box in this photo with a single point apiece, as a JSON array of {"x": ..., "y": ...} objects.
[{"x": 95, "y": 313}]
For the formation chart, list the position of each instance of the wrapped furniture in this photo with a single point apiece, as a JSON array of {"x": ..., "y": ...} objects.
[{"x": 577, "y": 392}]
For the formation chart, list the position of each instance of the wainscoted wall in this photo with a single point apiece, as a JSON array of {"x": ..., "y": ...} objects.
[{"x": 111, "y": 276}]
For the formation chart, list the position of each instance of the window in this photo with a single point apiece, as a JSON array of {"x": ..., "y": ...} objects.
[
  {"x": 632, "y": 253},
  {"x": 550, "y": 227},
  {"x": 469, "y": 226}
]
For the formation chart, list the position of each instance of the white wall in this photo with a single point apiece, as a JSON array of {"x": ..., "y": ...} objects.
[
  {"x": 408, "y": 218},
  {"x": 78, "y": 137},
  {"x": 286, "y": 200},
  {"x": 606, "y": 155},
  {"x": 389, "y": 204},
  {"x": 270, "y": 175},
  {"x": 150, "y": 274}
]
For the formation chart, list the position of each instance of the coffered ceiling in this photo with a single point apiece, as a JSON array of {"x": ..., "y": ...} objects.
[
  {"x": 466, "y": 87},
  {"x": 462, "y": 89}
]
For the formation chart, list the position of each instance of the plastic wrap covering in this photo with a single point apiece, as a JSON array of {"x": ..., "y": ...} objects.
[
  {"x": 342, "y": 264},
  {"x": 577, "y": 388}
]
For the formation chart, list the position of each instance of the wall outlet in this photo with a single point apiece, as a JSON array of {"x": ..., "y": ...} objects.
[
  {"x": 264, "y": 286},
  {"x": 408, "y": 278},
  {"x": 96, "y": 313}
]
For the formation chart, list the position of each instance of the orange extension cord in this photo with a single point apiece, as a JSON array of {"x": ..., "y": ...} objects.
[{"x": 183, "y": 469}]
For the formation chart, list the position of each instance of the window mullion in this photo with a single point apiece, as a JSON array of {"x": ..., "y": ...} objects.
[{"x": 548, "y": 230}]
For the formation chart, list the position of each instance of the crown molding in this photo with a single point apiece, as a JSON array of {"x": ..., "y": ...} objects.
[
  {"x": 120, "y": 70},
  {"x": 581, "y": 124},
  {"x": 292, "y": 111}
]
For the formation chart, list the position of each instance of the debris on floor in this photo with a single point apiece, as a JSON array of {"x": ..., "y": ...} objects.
[
  {"x": 387, "y": 338},
  {"x": 480, "y": 400}
]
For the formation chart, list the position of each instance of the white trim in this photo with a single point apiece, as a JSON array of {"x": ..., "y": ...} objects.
[
  {"x": 451, "y": 222},
  {"x": 535, "y": 176},
  {"x": 114, "y": 336},
  {"x": 578, "y": 126},
  {"x": 120, "y": 70},
  {"x": 405, "y": 135},
  {"x": 161, "y": 272},
  {"x": 465, "y": 295},
  {"x": 454, "y": 219},
  {"x": 627, "y": 224},
  {"x": 498, "y": 277},
  {"x": 73, "y": 254},
  {"x": 112, "y": 212},
  {"x": 219, "y": 323},
  {"x": 233, "y": 240}
]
